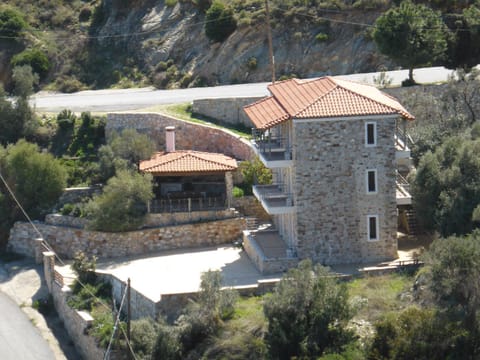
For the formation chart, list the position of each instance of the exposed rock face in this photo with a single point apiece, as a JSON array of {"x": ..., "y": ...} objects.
[{"x": 177, "y": 33}]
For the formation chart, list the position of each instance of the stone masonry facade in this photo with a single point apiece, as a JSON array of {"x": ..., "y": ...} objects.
[
  {"x": 330, "y": 186},
  {"x": 188, "y": 136}
]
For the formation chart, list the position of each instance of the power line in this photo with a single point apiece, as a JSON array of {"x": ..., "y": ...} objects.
[
  {"x": 203, "y": 22},
  {"x": 47, "y": 246}
]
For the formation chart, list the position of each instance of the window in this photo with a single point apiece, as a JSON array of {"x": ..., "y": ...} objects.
[
  {"x": 372, "y": 223},
  {"x": 371, "y": 134},
  {"x": 371, "y": 181}
]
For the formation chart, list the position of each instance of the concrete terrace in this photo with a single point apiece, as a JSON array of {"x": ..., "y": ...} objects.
[{"x": 179, "y": 271}]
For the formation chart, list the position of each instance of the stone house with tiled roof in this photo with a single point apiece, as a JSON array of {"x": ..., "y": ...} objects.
[
  {"x": 187, "y": 180},
  {"x": 334, "y": 147}
]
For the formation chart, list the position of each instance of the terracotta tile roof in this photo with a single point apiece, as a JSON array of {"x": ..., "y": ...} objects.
[
  {"x": 187, "y": 161},
  {"x": 321, "y": 98}
]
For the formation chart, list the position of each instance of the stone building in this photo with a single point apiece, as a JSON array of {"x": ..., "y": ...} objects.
[
  {"x": 188, "y": 180},
  {"x": 334, "y": 147}
]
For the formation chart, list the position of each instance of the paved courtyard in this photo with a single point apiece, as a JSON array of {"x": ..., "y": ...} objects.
[{"x": 174, "y": 272}]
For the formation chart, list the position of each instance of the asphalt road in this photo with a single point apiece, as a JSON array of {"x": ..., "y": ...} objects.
[
  {"x": 132, "y": 99},
  {"x": 19, "y": 339}
]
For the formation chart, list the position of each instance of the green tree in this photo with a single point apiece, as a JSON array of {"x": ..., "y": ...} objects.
[
  {"x": 123, "y": 204},
  {"x": 24, "y": 80},
  {"x": 307, "y": 314},
  {"x": 36, "y": 178},
  {"x": 254, "y": 172},
  {"x": 413, "y": 35},
  {"x": 219, "y": 22},
  {"x": 35, "y": 58},
  {"x": 453, "y": 267},
  {"x": 132, "y": 146},
  {"x": 12, "y": 22},
  {"x": 446, "y": 187}
]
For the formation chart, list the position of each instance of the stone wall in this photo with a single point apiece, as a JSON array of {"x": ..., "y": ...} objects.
[
  {"x": 226, "y": 110},
  {"x": 75, "y": 322},
  {"x": 331, "y": 161},
  {"x": 67, "y": 241},
  {"x": 151, "y": 220},
  {"x": 251, "y": 207},
  {"x": 188, "y": 136}
]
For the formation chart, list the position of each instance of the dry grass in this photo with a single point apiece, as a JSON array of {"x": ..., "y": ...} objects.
[{"x": 377, "y": 295}]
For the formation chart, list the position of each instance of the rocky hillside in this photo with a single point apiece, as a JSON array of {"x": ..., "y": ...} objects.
[
  {"x": 104, "y": 43},
  {"x": 177, "y": 34}
]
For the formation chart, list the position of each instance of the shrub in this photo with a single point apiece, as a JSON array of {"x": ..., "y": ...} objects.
[
  {"x": 252, "y": 63},
  {"x": 321, "y": 37},
  {"x": 69, "y": 84},
  {"x": 102, "y": 327},
  {"x": 307, "y": 314},
  {"x": 219, "y": 22},
  {"x": 85, "y": 14},
  {"x": 85, "y": 267},
  {"x": 12, "y": 22},
  {"x": 408, "y": 82},
  {"x": 67, "y": 209},
  {"x": 203, "y": 5},
  {"x": 237, "y": 192},
  {"x": 144, "y": 336},
  {"x": 36, "y": 58},
  {"x": 123, "y": 204},
  {"x": 66, "y": 119},
  {"x": 170, "y": 3}
]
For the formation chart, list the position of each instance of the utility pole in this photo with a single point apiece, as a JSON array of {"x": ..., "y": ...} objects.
[
  {"x": 270, "y": 45},
  {"x": 129, "y": 316}
]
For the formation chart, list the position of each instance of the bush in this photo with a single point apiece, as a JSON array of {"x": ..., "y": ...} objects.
[
  {"x": 417, "y": 334},
  {"x": 170, "y": 3},
  {"x": 12, "y": 22},
  {"x": 307, "y": 314},
  {"x": 66, "y": 119},
  {"x": 203, "y": 5},
  {"x": 321, "y": 37},
  {"x": 69, "y": 84},
  {"x": 252, "y": 63},
  {"x": 408, "y": 82},
  {"x": 85, "y": 267},
  {"x": 123, "y": 204},
  {"x": 237, "y": 192},
  {"x": 219, "y": 22},
  {"x": 144, "y": 334},
  {"x": 85, "y": 14},
  {"x": 36, "y": 58}
]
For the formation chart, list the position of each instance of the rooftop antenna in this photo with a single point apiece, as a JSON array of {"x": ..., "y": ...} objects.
[{"x": 270, "y": 46}]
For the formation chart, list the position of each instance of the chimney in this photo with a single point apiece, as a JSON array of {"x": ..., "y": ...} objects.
[{"x": 170, "y": 138}]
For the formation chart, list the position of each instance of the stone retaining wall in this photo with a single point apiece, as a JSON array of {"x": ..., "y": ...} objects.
[
  {"x": 76, "y": 322},
  {"x": 226, "y": 110},
  {"x": 67, "y": 241},
  {"x": 188, "y": 136},
  {"x": 250, "y": 206},
  {"x": 151, "y": 220}
]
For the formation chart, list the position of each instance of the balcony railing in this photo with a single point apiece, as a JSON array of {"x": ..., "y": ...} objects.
[
  {"x": 403, "y": 191},
  {"x": 166, "y": 205},
  {"x": 274, "y": 199},
  {"x": 271, "y": 147}
]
